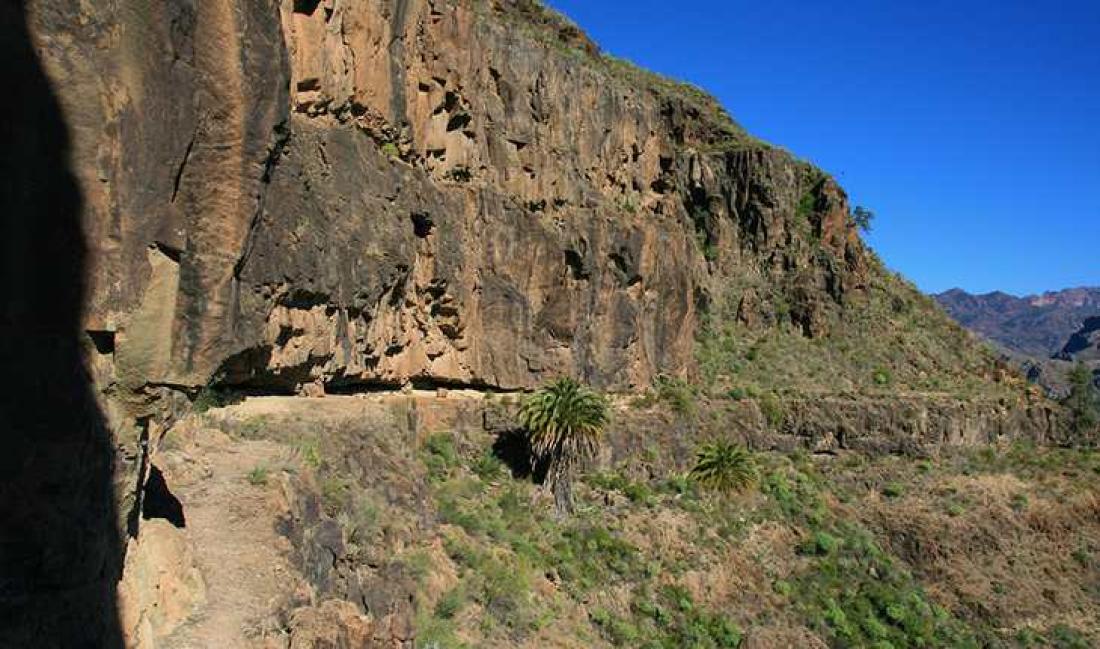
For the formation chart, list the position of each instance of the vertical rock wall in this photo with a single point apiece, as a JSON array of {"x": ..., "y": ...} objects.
[{"x": 372, "y": 192}]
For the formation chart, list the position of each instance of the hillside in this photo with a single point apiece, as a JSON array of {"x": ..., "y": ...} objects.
[
  {"x": 1084, "y": 344},
  {"x": 445, "y": 542},
  {"x": 311, "y": 203}
]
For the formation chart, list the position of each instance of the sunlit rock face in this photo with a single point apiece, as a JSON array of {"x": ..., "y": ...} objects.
[{"x": 373, "y": 192}]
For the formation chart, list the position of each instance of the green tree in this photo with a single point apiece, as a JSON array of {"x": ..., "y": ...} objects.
[
  {"x": 565, "y": 422},
  {"x": 1082, "y": 399},
  {"x": 724, "y": 467},
  {"x": 863, "y": 217}
]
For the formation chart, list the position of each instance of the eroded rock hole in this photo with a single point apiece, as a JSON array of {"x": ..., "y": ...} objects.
[
  {"x": 104, "y": 341},
  {"x": 624, "y": 268},
  {"x": 576, "y": 265},
  {"x": 307, "y": 85},
  {"x": 159, "y": 501},
  {"x": 458, "y": 121},
  {"x": 513, "y": 448},
  {"x": 422, "y": 224},
  {"x": 306, "y": 7}
]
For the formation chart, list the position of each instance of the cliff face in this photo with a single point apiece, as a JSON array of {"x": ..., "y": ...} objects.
[
  {"x": 1084, "y": 344},
  {"x": 372, "y": 192},
  {"x": 312, "y": 195}
]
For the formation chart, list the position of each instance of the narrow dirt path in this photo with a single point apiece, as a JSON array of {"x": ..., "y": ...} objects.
[{"x": 231, "y": 526}]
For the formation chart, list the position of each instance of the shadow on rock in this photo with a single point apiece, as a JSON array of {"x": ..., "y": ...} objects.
[{"x": 60, "y": 555}]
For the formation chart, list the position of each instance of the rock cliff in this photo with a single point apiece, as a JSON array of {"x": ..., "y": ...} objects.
[
  {"x": 310, "y": 196},
  {"x": 358, "y": 193}
]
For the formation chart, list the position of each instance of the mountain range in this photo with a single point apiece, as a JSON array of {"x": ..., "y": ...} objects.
[
  {"x": 1034, "y": 325},
  {"x": 1044, "y": 333}
]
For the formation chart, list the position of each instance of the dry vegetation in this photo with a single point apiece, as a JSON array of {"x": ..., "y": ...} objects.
[
  {"x": 888, "y": 339},
  {"x": 996, "y": 547}
]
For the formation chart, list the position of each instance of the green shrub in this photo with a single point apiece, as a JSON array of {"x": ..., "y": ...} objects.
[
  {"x": 590, "y": 555},
  {"x": 258, "y": 476},
  {"x": 772, "y": 410},
  {"x": 335, "y": 493},
  {"x": 805, "y": 205},
  {"x": 440, "y": 456},
  {"x": 1083, "y": 401},
  {"x": 724, "y": 467},
  {"x": 676, "y": 392},
  {"x": 390, "y": 149},
  {"x": 672, "y": 619},
  {"x": 862, "y": 218},
  {"x": 1064, "y": 637},
  {"x": 450, "y": 603},
  {"x": 893, "y": 490},
  {"x": 309, "y": 451},
  {"x": 488, "y": 466}
]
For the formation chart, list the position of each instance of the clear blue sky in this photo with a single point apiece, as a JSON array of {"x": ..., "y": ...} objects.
[{"x": 971, "y": 128}]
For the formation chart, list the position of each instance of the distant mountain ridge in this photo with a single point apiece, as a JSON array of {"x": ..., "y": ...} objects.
[{"x": 1034, "y": 325}]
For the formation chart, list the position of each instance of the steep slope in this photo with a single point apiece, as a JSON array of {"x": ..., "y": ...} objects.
[
  {"x": 311, "y": 196},
  {"x": 440, "y": 542},
  {"x": 352, "y": 194}
]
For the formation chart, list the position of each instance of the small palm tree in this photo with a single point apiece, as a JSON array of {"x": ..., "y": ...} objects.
[
  {"x": 564, "y": 422},
  {"x": 724, "y": 467}
]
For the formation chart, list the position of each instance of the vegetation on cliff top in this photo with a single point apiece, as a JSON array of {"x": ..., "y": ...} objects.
[
  {"x": 714, "y": 126},
  {"x": 891, "y": 339}
]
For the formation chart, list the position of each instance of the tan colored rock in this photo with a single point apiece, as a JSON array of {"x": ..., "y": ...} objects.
[
  {"x": 334, "y": 623},
  {"x": 161, "y": 585},
  {"x": 439, "y": 196}
]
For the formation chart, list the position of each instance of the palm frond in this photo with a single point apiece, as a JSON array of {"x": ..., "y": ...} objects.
[
  {"x": 724, "y": 467},
  {"x": 564, "y": 421}
]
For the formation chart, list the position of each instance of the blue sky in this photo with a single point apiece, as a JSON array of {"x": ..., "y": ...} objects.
[{"x": 971, "y": 128}]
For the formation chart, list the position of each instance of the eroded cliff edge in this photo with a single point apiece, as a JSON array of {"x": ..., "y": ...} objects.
[
  {"x": 373, "y": 192},
  {"x": 310, "y": 196}
]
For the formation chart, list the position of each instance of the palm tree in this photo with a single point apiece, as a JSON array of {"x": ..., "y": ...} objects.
[
  {"x": 564, "y": 422},
  {"x": 724, "y": 467}
]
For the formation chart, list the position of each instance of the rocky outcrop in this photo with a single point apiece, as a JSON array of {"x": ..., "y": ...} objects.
[
  {"x": 1084, "y": 344},
  {"x": 161, "y": 586},
  {"x": 351, "y": 194}
]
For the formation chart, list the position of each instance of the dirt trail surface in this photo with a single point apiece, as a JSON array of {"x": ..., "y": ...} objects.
[{"x": 231, "y": 524}]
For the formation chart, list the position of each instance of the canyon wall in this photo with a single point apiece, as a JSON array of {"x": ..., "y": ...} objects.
[
  {"x": 310, "y": 196},
  {"x": 325, "y": 195}
]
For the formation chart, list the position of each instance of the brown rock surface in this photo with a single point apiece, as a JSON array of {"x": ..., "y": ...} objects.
[
  {"x": 161, "y": 585},
  {"x": 312, "y": 197},
  {"x": 413, "y": 207}
]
